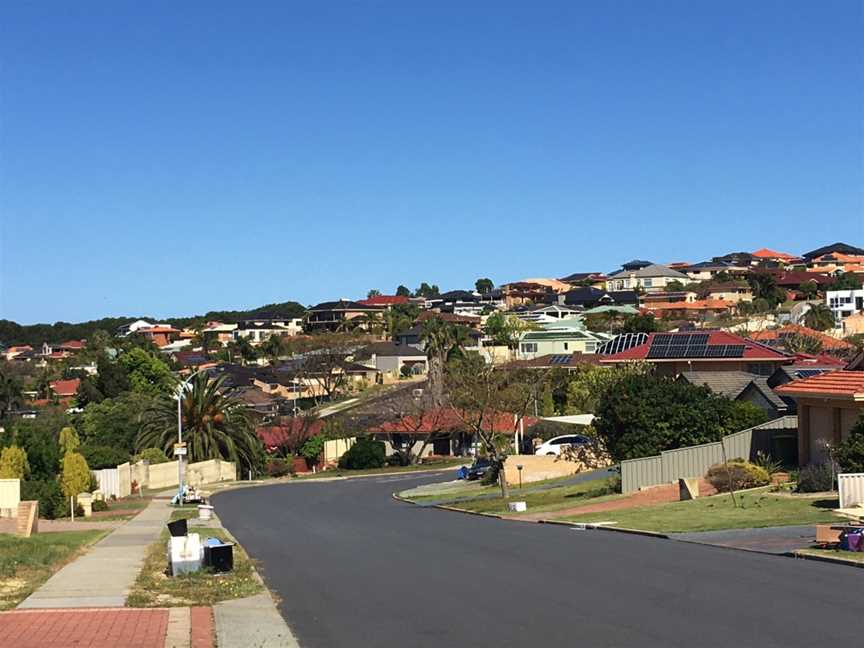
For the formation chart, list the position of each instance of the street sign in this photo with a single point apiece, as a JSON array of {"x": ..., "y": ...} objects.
[{"x": 180, "y": 449}]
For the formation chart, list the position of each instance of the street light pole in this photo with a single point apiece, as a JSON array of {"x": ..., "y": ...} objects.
[{"x": 182, "y": 456}]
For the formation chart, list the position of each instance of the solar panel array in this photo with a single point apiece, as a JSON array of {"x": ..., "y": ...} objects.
[
  {"x": 691, "y": 345},
  {"x": 622, "y": 342},
  {"x": 809, "y": 373},
  {"x": 559, "y": 359}
]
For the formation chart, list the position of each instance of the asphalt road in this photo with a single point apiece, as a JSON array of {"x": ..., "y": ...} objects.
[{"x": 354, "y": 567}]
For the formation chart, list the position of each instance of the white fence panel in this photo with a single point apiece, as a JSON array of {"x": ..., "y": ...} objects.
[
  {"x": 10, "y": 497},
  {"x": 851, "y": 487},
  {"x": 109, "y": 481}
]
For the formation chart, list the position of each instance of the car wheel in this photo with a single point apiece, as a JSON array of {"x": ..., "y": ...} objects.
[{"x": 550, "y": 454}]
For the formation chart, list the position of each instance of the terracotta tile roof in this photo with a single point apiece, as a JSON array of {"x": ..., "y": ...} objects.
[
  {"x": 833, "y": 384},
  {"x": 448, "y": 420},
  {"x": 291, "y": 430},
  {"x": 384, "y": 300},
  {"x": 699, "y": 304},
  {"x": 829, "y": 343},
  {"x": 448, "y": 317},
  {"x": 803, "y": 360},
  {"x": 65, "y": 387},
  {"x": 752, "y": 350},
  {"x": 766, "y": 253},
  {"x": 797, "y": 277}
]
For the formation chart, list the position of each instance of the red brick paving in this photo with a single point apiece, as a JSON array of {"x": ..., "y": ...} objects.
[
  {"x": 648, "y": 497},
  {"x": 127, "y": 627},
  {"x": 202, "y": 627}
]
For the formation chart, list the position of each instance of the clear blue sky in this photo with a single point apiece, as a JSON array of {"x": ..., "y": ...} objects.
[{"x": 174, "y": 157}]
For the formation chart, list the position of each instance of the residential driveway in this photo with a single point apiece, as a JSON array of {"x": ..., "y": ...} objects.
[
  {"x": 773, "y": 540},
  {"x": 353, "y": 567}
]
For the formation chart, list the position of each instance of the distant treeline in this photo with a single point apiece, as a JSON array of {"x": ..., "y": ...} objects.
[{"x": 13, "y": 333}]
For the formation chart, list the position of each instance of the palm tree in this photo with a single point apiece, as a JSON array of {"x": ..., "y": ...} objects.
[
  {"x": 442, "y": 339},
  {"x": 215, "y": 425},
  {"x": 819, "y": 318}
]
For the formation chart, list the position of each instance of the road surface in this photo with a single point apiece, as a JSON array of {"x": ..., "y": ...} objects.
[{"x": 353, "y": 567}]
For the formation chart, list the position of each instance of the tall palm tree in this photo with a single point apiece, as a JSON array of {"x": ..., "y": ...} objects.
[
  {"x": 441, "y": 339},
  {"x": 216, "y": 425},
  {"x": 819, "y": 318}
]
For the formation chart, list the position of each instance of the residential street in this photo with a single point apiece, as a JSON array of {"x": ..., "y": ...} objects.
[{"x": 353, "y": 567}]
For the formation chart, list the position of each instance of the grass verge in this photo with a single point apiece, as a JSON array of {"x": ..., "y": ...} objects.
[
  {"x": 595, "y": 490},
  {"x": 154, "y": 588},
  {"x": 26, "y": 563},
  {"x": 715, "y": 513},
  {"x": 438, "y": 464},
  {"x": 834, "y": 554}
]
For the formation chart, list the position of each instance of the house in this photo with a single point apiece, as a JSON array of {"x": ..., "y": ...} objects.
[
  {"x": 844, "y": 303},
  {"x": 385, "y": 301},
  {"x": 709, "y": 270},
  {"x": 794, "y": 279},
  {"x": 733, "y": 292},
  {"x": 560, "y": 338},
  {"x": 693, "y": 311},
  {"x": 391, "y": 358},
  {"x": 852, "y": 325},
  {"x": 341, "y": 314},
  {"x": 837, "y": 262},
  {"x": 578, "y": 279},
  {"x": 842, "y": 248},
  {"x": 414, "y": 337},
  {"x": 132, "y": 327},
  {"x": 570, "y": 362},
  {"x": 65, "y": 388},
  {"x": 545, "y": 314},
  {"x": 740, "y": 386},
  {"x": 471, "y": 321},
  {"x": 192, "y": 359},
  {"x": 647, "y": 278},
  {"x": 829, "y": 405},
  {"x": 289, "y": 431},
  {"x": 222, "y": 333},
  {"x": 783, "y": 258},
  {"x": 463, "y": 302},
  {"x": 678, "y": 296},
  {"x": 259, "y": 402},
  {"x": 13, "y": 352},
  {"x": 159, "y": 334},
  {"x": 261, "y": 328},
  {"x": 520, "y": 293},
  {"x": 775, "y": 338},
  {"x": 448, "y": 429},
  {"x": 675, "y": 353},
  {"x": 590, "y": 297}
]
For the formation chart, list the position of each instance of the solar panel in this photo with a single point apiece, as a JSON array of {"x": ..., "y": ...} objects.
[
  {"x": 622, "y": 342},
  {"x": 662, "y": 339},
  {"x": 734, "y": 351},
  {"x": 809, "y": 373},
  {"x": 560, "y": 359},
  {"x": 715, "y": 351}
]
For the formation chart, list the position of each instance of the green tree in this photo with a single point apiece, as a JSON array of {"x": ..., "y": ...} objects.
[
  {"x": 115, "y": 421},
  {"x": 14, "y": 464},
  {"x": 798, "y": 343},
  {"x": 484, "y": 285},
  {"x": 374, "y": 292},
  {"x": 764, "y": 286},
  {"x": 69, "y": 441},
  {"x": 639, "y": 324},
  {"x": 87, "y": 393},
  {"x": 849, "y": 454},
  {"x": 112, "y": 379},
  {"x": 505, "y": 329},
  {"x": 38, "y": 438},
  {"x": 809, "y": 290},
  {"x": 427, "y": 291},
  {"x": 589, "y": 383},
  {"x": 147, "y": 373},
  {"x": 845, "y": 281},
  {"x": 152, "y": 456},
  {"x": 312, "y": 448},
  {"x": 403, "y": 291},
  {"x": 645, "y": 415},
  {"x": 215, "y": 425},
  {"x": 674, "y": 286},
  {"x": 11, "y": 396},
  {"x": 819, "y": 318},
  {"x": 102, "y": 456},
  {"x": 441, "y": 340},
  {"x": 75, "y": 477}
]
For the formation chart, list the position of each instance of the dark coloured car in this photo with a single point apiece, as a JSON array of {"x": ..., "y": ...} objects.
[{"x": 478, "y": 469}]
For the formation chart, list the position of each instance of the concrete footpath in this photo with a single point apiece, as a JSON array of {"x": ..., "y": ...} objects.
[{"x": 104, "y": 575}]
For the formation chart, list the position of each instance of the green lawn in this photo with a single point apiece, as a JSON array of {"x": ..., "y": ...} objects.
[
  {"x": 26, "y": 563},
  {"x": 596, "y": 490},
  {"x": 154, "y": 588},
  {"x": 854, "y": 556},
  {"x": 757, "y": 509}
]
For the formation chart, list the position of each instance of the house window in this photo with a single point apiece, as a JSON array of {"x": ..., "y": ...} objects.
[
  {"x": 566, "y": 346},
  {"x": 590, "y": 347},
  {"x": 648, "y": 283},
  {"x": 529, "y": 347}
]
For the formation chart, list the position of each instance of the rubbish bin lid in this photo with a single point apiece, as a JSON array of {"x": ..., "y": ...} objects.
[{"x": 178, "y": 528}]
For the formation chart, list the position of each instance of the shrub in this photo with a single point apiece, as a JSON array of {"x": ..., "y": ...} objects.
[
  {"x": 278, "y": 468},
  {"x": 152, "y": 456},
  {"x": 312, "y": 448},
  {"x": 815, "y": 478},
  {"x": 742, "y": 474},
  {"x": 68, "y": 440},
  {"x": 13, "y": 463},
  {"x": 849, "y": 454},
  {"x": 99, "y": 505},
  {"x": 76, "y": 474},
  {"x": 103, "y": 456},
  {"x": 366, "y": 453},
  {"x": 47, "y": 492}
]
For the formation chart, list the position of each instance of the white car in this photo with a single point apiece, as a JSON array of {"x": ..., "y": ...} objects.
[{"x": 554, "y": 445}]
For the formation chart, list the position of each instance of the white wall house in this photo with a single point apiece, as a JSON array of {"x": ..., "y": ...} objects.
[
  {"x": 651, "y": 278},
  {"x": 559, "y": 340},
  {"x": 844, "y": 303}
]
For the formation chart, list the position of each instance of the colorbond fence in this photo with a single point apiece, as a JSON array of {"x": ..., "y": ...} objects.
[
  {"x": 851, "y": 487},
  {"x": 694, "y": 461}
]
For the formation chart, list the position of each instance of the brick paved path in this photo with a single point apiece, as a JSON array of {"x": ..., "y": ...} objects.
[{"x": 106, "y": 628}]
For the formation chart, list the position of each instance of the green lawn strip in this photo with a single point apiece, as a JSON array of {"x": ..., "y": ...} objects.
[
  {"x": 154, "y": 588},
  {"x": 26, "y": 563},
  {"x": 756, "y": 509},
  {"x": 595, "y": 490},
  {"x": 834, "y": 554},
  {"x": 471, "y": 490}
]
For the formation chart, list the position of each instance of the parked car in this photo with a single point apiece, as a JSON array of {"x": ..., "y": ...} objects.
[
  {"x": 479, "y": 468},
  {"x": 554, "y": 445}
]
